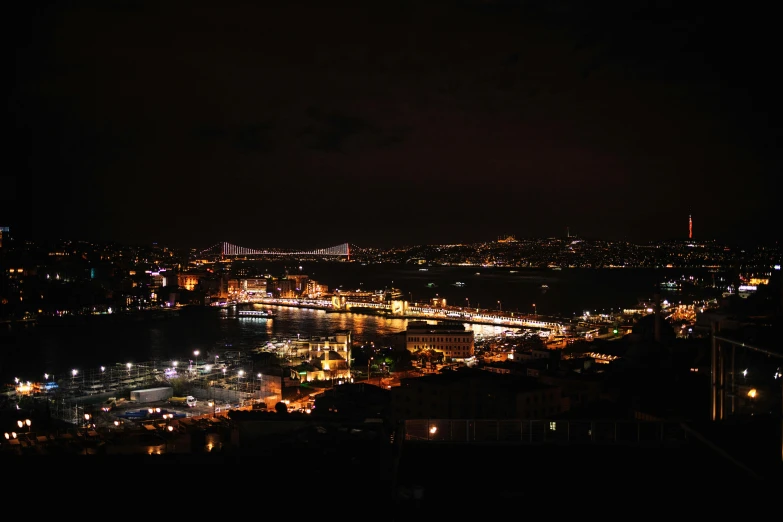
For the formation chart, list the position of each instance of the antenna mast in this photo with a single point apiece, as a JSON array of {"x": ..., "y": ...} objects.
[{"x": 690, "y": 227}]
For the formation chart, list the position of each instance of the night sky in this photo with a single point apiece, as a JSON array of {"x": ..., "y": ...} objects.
[{"x": 274, "y": 124}]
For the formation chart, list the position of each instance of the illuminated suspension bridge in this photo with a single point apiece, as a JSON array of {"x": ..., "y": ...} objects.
[{"x": 225, "y": 249}]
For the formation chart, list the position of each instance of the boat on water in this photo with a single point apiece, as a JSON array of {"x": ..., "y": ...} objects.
[
  {"x": 671, "y": 286},
  {"x": 268, "y": 314},
  {"x": 459, "y": 283},
  {"x": 544, "y": 286}
]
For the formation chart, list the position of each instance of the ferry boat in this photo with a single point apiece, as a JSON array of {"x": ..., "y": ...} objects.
[
  {"x": 672, "y": 286},
  {"x": 256, "y": 313}
]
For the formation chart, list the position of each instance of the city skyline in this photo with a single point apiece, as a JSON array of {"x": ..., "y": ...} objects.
[
  {"x": 291, "y": 126},
  {"x": 254, "y": 246}
]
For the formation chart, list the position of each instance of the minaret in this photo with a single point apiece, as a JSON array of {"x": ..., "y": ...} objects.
[{"x": 690, "y": 227}]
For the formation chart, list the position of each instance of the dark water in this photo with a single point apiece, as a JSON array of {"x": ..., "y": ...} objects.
[
  {"x": 28, "y": 352},
  {"x": 569, "y": 290}
]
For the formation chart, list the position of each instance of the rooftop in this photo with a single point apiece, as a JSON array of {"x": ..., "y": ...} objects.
[
  {"x": 580, "y": 479},
  {"x": 424, "y": 326},
  {"x": 519, "y": 382},
  {"x": 562, "y": 480}
]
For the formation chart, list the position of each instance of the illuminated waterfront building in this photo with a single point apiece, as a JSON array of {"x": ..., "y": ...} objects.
[{"x": 452, "y": 339}]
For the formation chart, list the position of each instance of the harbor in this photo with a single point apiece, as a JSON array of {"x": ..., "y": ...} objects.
[{"x": 85, "y": 392}]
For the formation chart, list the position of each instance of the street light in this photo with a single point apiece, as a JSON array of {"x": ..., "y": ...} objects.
[
  {"x": 167, "y": 436},
  {"x": 240, "y": 373},
  {"x": 196, "y": 354}
]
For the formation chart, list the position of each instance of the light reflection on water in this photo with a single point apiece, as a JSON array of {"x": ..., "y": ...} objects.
[{"x": 290, "y": 322}]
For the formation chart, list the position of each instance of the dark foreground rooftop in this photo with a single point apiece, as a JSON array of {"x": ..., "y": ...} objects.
[{"x": 418, "y": 480}]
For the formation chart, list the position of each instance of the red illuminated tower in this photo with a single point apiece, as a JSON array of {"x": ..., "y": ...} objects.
[{"x": 690, "y": 227}]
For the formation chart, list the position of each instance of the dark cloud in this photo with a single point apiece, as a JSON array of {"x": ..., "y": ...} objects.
[
  {"x": 249, "y": 137},
  {"x": 256, "y": 137},
  {"x": 209, "y": 133},
  {"x": 331, "y": 131}
]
